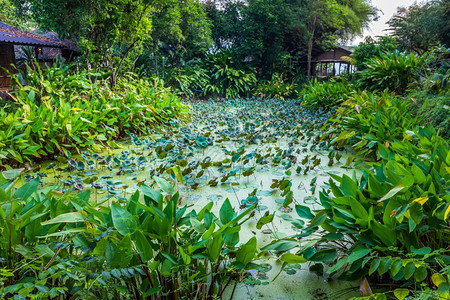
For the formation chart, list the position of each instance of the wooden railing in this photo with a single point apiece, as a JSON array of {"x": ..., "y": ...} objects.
[{"x": 5, "y": 81}]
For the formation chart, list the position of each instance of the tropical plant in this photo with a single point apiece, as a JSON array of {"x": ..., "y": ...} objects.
[
  {"x": 326, "y": 94},
  {"x": 191, "y": 79},
  {"x": 372, "y": 48},
  {"x": 33, "y": 262},
  {"x": 58, "y": 112},
  {"x": 392, "y": 71},
  {"x": 365, "y": 120},
  {"x": 65, "y": 245},
  {"x": 226, "y": 77},
  {"x": 434, "y": 109},
  {"x": 276, "y": 87},
  {"x": 389, "y": 223}
]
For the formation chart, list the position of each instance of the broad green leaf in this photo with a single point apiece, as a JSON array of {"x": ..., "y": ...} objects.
[
  {"x": 374, "y": 266},
  {"x": 152, "y": 291},
  {"x": 392, "y": 192},
  {"x": 267, "y": 218},
  {"x": 410, "y": 267},
  {"x": 384, "y": 233},
  {"x": 416, "y": 212},
  {"x": 123, "y": 221},
  {"x": 348, "y": 186},
  {"x": 247, "y": 252},
  {"x": 215, "y": 247},
  {"x": 12, "y": 174},
  {"x": 3, "y": 197},
  {"x": 292, "y": 258},
  {"x": 44, "y": 251},
  {"x": 401, "y": 294},
  {"x": 420, "y": 274},
  {"x": 324, "y": 255},
  {"x": 384, "y": 265},
  {"x": 304, "y": 212},
  {"x": 143, "y": 246},
  {"x": 281, "y": 245},
  {"x": 357, "y": 253},
  {"x": 73, "y": 217},
  {"x": 437, "y": 279},
  {"x": 151, "y": 193},
  {"x": 197, "y": 225},
  {"x": 396, "y": 266},
  {"x": 178, "y": 174},
  {"x": 340, "y": 263},
  {"x": 226, "y": 212},
  {"x": 419, "y": 176},
  {"x": 318, "y": 219},
  {"x": 164, "y": 185},
  {"x": 24, "y": 192}
]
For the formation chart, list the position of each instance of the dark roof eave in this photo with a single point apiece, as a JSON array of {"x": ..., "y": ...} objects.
[{"x": 31, "y": 44}]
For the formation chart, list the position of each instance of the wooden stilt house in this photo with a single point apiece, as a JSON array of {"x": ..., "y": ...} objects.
[{"x": 333, "y": 62}]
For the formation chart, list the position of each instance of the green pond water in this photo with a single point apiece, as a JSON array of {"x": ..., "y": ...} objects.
[{"x": 227, "y": 150}]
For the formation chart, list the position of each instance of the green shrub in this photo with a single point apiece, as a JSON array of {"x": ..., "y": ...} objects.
[
  {"x": 226, "y": 77},
  {"x": 277, "y": 87},
  {"x": 371, "y": 48},
  {"x": 365, "y": 120},
  {"x": 190, "y": 80},
  {"x": 434, "y": 109},
  {"x": 390, "y": 223},
  {"x": 70, "y": 113},
  {"x": 55, "y": 245},
  {"x": 326, "y": 94},
  {"x": 392, "y": 71}
]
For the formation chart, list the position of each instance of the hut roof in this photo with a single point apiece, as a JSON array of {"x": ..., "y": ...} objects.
[
  {"x": 12, "y": 35},
  {"x": 66, "y": 44},
  {"x": 334, "y": 55}
]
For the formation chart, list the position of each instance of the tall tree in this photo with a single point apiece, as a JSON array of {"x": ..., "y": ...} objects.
[
  {"x": 420, "y": 27},
  {"x": 226, "y": 17},
  {"x": 268, "y": 31},
  {"x": 8, "y": 13},
  {"x": 181, "y": 28},
  {"x": 107, "y": 30},
  {"x": 331, "y": 20}
]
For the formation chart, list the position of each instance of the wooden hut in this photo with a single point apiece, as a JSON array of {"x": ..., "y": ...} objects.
[
  {"x": 10, "y": 37},
  {"x": 69, "y": 50},
  {"x": 332, "y": 62}
]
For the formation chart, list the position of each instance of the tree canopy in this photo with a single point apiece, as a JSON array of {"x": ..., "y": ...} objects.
[
  {"x": 269, "y": 35},
  {"x": 420, "y": 27},
  {"x": 269, "y": 31}
]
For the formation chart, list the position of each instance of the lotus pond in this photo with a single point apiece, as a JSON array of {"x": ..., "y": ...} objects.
[{"x": 266, "y": 153}]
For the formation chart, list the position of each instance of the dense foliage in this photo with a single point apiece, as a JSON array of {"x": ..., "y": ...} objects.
[
  {"x": 385, "y": 223},
  {"x": 326, "y": 94},
  {"x": 392, "y": 71},
  {"x": 56, "y": 245},
  {"x": 390, "y": 221},
  {"x": 371, "y": 48},
  {"x": 277, "y": 34},
  {"x": 60, "y": 111},
  {"x": 422, "y": 26}
]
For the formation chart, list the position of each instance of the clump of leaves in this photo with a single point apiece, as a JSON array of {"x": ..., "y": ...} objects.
[
  {"x": 227, "y": 78},
  {"x": 277, "y": 87},
  {"x": 154, "y": 248},
  {"x": 326, "y": 94},
  {"x": 61, "y": 111},
  {"x": 391, "y": 70},
  {"x": 365, "y": 120},
  {"x": 390, "y": 223}
]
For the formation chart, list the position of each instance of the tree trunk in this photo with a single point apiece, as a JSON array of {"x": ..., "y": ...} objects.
[{"x": 312, "y": 29}]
